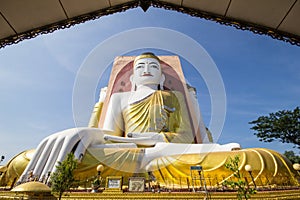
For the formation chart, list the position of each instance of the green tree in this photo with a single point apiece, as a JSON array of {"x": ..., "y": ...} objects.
[
  {"x": 292, "y": 156},
  {"x": 239, "y": 183},
  {"x": 283, "y": 125},
  {"x": 62, "y": 179}
]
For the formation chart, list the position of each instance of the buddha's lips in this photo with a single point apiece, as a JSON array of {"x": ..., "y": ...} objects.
[{"x": 147, "y": 75}]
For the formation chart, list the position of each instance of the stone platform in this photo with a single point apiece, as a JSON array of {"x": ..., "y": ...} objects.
[{"x": 266, "y": 195}]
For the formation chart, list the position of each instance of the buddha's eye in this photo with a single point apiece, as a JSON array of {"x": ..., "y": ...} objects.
[
  {"x": 139, "y": 66},
  {"x": 154, "y": 66}
]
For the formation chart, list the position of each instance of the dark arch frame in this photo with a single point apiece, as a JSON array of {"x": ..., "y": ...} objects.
[{"x": 145, "y": 4}]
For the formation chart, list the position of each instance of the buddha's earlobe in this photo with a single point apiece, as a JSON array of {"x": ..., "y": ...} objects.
[
  {"x": 161, "y": 83},
  {"x": 133, "y": 86}
]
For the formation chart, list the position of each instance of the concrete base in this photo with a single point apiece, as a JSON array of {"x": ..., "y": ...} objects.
[{"x": 266, "y": 195}]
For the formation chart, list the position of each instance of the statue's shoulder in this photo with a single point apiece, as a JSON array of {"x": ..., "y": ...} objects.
[
  {"x": 120, "y": 95},
  {"x": 120, "y": 98},
  {"x": 172, "y": 93},
  {"x": 174, "y": 96}
]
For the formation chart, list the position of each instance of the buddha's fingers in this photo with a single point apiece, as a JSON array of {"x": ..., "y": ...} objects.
[
  {"x": 43, "y": 156},
  {"x": 90, "y": 136},
  {"x": 51, "y": 162},
  {"x": 71, "y": 140},
  {"x": 34, "y": 160}
]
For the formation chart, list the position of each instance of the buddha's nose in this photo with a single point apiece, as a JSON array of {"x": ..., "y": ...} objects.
[{"x": 146, "y": 69}]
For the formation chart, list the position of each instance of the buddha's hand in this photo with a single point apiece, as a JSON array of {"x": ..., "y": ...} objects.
[
  {"x": 55, "y": 147},
  {"x": 140, "y": 139},
  {"x": 158, "y": 137}
]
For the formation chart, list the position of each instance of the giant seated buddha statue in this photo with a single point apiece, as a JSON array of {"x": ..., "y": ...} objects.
[{"x": 147, "y": 121}]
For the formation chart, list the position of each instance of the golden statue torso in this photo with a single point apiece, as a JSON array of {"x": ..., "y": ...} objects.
[{"x": 159, "y": 112}]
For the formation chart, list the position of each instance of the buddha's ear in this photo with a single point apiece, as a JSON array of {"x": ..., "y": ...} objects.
[
  {"x": 162, "y": 80},
  {"x": 133, "y": 86}
]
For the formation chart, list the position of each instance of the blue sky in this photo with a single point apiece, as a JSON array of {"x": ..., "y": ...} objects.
[{"x": 260, "y": 75}]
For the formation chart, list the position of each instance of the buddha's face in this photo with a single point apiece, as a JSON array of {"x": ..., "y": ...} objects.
[{"x": 147, "y": 71}]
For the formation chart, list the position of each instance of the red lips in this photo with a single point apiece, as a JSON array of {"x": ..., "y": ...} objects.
[{"x": 147, "y": 75}]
